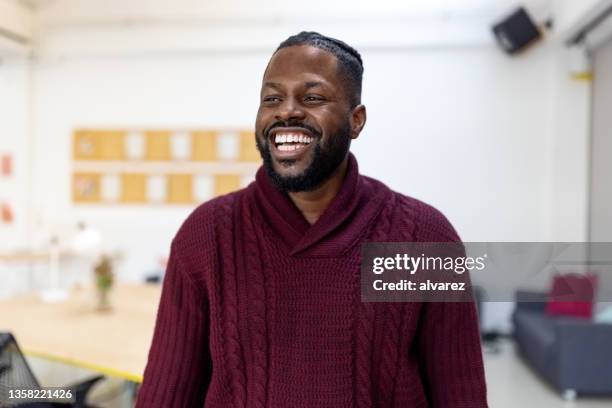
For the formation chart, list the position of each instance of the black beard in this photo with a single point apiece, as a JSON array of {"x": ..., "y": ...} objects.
[{"x": 324, "y": 163}]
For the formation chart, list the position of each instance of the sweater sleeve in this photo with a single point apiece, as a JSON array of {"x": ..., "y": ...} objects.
[
  {"x": 450, "y": 354},
  {"x": 178, "y": 368}
]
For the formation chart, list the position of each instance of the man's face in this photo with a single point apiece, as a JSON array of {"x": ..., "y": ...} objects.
[{"x": 304, "y": 127}]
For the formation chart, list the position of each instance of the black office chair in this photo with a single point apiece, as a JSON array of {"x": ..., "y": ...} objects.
[{"x": 15, "y": 373}]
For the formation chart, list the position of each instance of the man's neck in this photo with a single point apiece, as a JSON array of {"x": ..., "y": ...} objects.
[{"x": 313, "y": 203}]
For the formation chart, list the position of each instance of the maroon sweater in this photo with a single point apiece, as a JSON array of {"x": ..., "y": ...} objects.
[{"x": 261, "y": 309}]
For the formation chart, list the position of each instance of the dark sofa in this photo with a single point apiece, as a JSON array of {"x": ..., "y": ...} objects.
[{"x": 574, "y": 355}]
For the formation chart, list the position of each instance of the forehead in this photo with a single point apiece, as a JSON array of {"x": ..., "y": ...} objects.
[{"x": 302, "y": 62}]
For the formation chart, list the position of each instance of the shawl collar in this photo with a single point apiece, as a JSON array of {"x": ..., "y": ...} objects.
[{"x": 342, "y": 224}]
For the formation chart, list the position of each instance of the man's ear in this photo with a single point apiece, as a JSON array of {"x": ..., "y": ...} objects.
[{"x": 358, "y": 120}]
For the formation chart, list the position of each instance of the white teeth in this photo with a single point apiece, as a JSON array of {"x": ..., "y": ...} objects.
[
  {"x": 292, "y": 138},
  {"x": 288, "y": 147}
]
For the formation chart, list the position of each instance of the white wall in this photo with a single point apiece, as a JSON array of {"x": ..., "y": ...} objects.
[
  {"x": 467, "y": 130},
  {"x": 471, "y": 139},
  {"x": 498, "y": 144},
  {"x": 14, "y": 141},
  {"x": 152, "y": 91},
  {"x": 569, "y": 12}
]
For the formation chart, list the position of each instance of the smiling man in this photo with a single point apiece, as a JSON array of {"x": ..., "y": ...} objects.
[{"x": 261, "y": 303}]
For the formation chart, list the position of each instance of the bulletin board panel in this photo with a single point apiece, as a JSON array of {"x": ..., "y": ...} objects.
[
  {"x": 99, "y": 145},
  {"x": 134, "y": 188},
  {"x": 158, "y": 145},
  {"x": 160, "y": 166}
]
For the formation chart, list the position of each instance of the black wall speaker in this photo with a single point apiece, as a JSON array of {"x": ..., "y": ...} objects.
[{"x": 516, "y": 32}]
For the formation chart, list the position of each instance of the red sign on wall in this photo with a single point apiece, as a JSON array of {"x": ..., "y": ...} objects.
[
  {"x": 6, "y": 213},
  {"x": 6, "y": 165}
]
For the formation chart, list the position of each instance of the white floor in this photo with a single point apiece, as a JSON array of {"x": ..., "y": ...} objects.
[{"x": 511, "y": 384}]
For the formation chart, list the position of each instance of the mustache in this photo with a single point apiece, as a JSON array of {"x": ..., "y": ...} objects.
[{"x": 282, "y": 124}]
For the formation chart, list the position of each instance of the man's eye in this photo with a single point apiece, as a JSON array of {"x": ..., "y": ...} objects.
[
  {"x": 314, "y": 98},
  {"x": 271, "y": 99}
]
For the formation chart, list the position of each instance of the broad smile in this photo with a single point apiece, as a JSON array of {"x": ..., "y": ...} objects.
[{"x": 290, "y": 143}]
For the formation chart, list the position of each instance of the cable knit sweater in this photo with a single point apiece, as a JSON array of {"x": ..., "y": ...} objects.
[{"x": 261, "y": 309}]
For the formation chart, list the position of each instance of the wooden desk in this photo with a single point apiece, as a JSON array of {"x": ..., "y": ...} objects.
[
  {"x": 27, "y": 256},
  {"x": 114, "y": 343}
]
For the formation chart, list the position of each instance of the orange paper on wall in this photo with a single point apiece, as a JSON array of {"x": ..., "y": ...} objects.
[
  {"x": 180, "y": 188},
  {"x": 248, "y": 148},
  {"x": 6, "y": 213},
  {"x": 133, "y": 188},
  {"x": 157, "y": 145},
  {"x": 204, "y": 146},
  {"x": 226, "y": 183},
  {"x": 6, "y": 165}
]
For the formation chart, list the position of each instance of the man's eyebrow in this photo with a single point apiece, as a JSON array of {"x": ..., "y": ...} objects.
[
  {"x": 307, "y": 85},
  {"x": 313, "y": 84},
  {"x": 274, "y": 85}
]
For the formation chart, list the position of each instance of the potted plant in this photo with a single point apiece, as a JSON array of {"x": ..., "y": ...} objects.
[{"x": 104, "y": 282}]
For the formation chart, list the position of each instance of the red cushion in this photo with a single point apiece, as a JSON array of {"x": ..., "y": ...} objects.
[{"x": 572, "y": 295}]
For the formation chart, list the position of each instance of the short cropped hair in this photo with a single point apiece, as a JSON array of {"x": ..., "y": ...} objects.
[{"x": 349, "y": 60}]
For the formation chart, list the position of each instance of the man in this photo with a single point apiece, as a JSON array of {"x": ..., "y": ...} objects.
[{"x": 261, "y": 302}]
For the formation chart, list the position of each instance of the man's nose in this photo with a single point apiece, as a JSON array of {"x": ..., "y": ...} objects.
[{"x": 289, "y": 110}]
